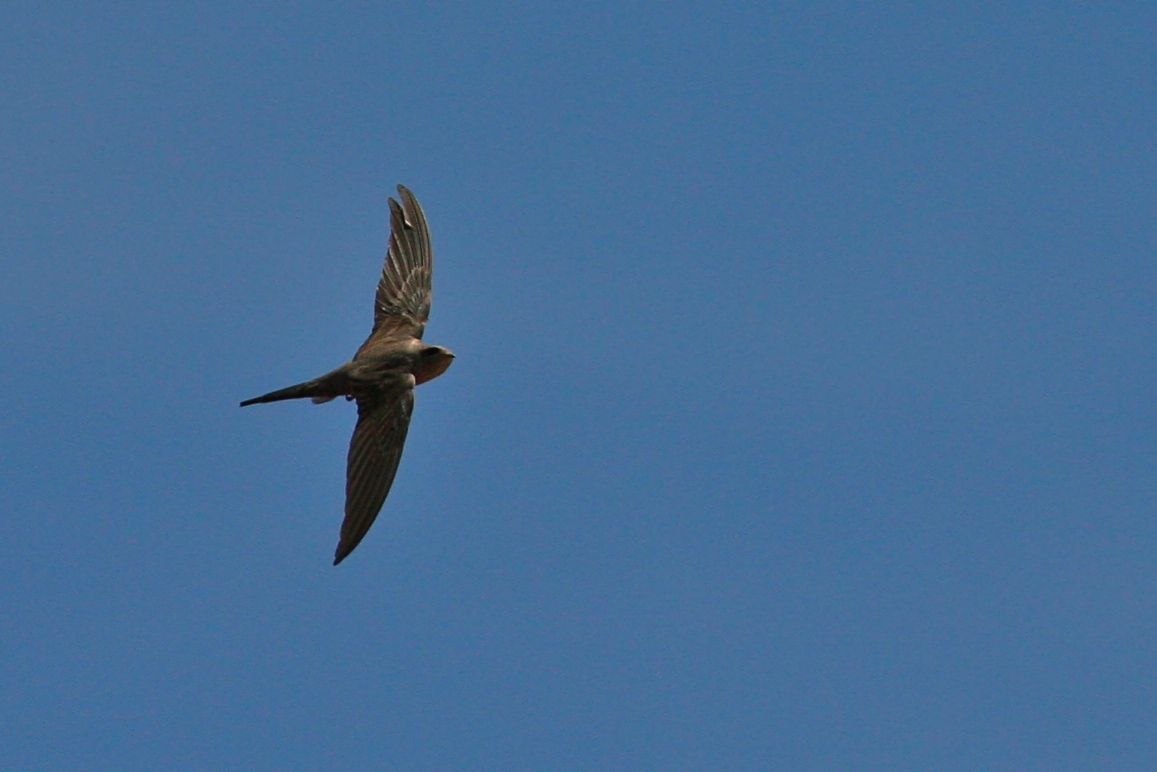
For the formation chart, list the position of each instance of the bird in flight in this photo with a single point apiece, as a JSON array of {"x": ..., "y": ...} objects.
[{"x": 383, "y": 373}]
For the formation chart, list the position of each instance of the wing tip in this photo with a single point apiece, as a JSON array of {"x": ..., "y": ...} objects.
[
  {"x": 405, "y": 194},
  {"x": 409, "y": 207}
]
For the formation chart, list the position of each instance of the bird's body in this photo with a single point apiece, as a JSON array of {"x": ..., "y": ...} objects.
[{"x": 384, "y": 371}]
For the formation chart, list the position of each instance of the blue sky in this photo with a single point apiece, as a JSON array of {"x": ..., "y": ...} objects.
[{"x": 802, "y": 417}]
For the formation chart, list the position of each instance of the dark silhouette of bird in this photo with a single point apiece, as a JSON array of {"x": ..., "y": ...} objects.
[{"x": 383, "y": 373}]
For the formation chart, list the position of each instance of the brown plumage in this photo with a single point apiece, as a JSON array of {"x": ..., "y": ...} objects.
[{"x": 382, "y": 374}]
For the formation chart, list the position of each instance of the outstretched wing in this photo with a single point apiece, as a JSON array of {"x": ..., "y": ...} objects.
[
  {"x": 375, "y": 450},
  {"x": 402, "y": 304}
]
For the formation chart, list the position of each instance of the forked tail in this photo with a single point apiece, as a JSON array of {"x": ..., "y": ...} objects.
[{"x": 323, "y": 389}]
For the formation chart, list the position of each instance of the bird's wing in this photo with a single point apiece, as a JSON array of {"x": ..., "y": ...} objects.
[
  {"x": 402, "y": 304},
  {"x": 375, "y": 450}
]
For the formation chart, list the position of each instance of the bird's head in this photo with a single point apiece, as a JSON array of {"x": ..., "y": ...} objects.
[{"x": 432, "y": 362}]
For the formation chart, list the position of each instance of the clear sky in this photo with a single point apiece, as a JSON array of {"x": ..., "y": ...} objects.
[{"x": 803, "y": 414}]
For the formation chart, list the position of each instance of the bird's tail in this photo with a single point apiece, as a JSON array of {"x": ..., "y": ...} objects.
[{"x": 321, "y": 389}]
